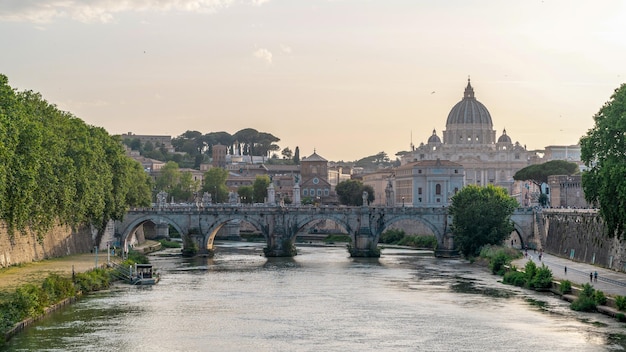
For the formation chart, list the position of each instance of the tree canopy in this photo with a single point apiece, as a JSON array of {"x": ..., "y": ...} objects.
[
  {"x": 481, "y": 216},
  {"x": 215, "y": 184},
  {"x": 538, "y": 173},
  {"x": 350, "y": 192},
  {"x": 603, "y": 150},
  {"x": 57, "y": 169}
]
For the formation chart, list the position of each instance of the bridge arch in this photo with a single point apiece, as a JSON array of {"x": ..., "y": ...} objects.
[
  {"x": 422, "y": 220},
  {"x": 156, "y": 219},
  {"x": 208, "y": 235}
]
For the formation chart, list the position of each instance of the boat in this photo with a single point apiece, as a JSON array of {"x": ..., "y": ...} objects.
[{"x": 144, "y": 274}]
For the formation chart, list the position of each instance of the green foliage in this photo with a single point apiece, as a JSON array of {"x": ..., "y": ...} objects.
[
  {"x": 57, "y": 169},
  {"x": 419, "y": 241},
  {"x": 93, "y": 280},
  {"x": 215, "y": 184},
  {"x": 565, "y": 287},
  {"x": 542, "y": 279},
  {"x": 538, "y": 173},
  {"x": 246, "y": 194},
  {"x": 514, "y": 277},
  {"x": 530, "y": 270},
  {"x": 497, "y": 263},
  {"x": 585, "y": 302},
  {"x": 399, "y": 237},
  {"x": 169, "y": 244},
  {"x": 603, "y": 150},
  {"x": 621, "y": 317},
  {"x": 259, "y": 188},
  {"x": 337, "y": 238},
  {"x": 599, "y": 297},
  {"x": 481, "y": 216},
  {"x": 350, "y": 192},
  {"x": 620, "y": 302},
  {"x": 392, "y": 236}
]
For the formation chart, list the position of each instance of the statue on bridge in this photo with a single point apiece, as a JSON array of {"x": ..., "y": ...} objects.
[
  {"x": 206, "y": 199},
  {"x": 161, "y": 199}
]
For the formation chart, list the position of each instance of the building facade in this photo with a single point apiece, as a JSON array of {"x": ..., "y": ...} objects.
[
  {"x": 470, "y": 140},
  {"x": 428, "y": 183}
]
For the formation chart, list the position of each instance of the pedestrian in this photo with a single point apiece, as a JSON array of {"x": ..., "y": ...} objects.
[
  {"x": 565, "y": 270},
  {"x": 539, "y": 256},
  {"x": 595, "y": 276},
  {"x": 590, "y": 277}
]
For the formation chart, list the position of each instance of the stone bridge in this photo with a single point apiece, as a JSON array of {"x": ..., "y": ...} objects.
[{"x": 281, "y": 224}]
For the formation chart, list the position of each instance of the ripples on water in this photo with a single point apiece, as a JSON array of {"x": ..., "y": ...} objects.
[{"x": 321, "y": 300}]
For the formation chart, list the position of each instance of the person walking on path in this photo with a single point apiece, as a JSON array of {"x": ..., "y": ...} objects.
[
  {"x": 590, "y": 277},
  {"x": 565, "y": 270},
  {"x": 595, "y": 276}
]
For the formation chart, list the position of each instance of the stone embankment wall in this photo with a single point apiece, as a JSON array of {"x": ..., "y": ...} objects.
[
  {"x": 60, "y": 241},
  {"x": 579, "y": 235}
]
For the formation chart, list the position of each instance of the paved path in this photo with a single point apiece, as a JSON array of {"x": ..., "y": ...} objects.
[{"x": 610, "y": 282}]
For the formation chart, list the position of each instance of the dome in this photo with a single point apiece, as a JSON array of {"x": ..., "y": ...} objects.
[
  {"x": 469, "y": 111},
  {"x": 434, "y": 138},
  {"x": 504, "y": 138}
]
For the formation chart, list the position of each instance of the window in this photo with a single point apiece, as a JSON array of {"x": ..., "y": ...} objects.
[
  {"x": 419, "y": 171},
  {"x": 319, "y": 192},
  {"x": 326, "y": 192},
  {"x": 438, "y": 189},
  {"x": 305, "y": 192},
  {"x": 456, "y": 171},
  {"x": 312, "y": 192},
  {"x": 419, "y": 190}
]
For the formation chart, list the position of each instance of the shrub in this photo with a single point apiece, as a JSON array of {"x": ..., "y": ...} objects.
[
  {"x": 565, "y": 287},
  {"x": 621, "y": 317},
  {"x": 586, "y": 301},
  {"x": 542, "y": 278},
  {"x": 620, "y": 302},
  {"x": 337, "y": 238},
  {"x": 392, "y": 236},
  {"x": 418, "y": 241},
  {"x": 169, "y": 244},
  {"x": 515, "y": 278},
  {"x": 599, "y": 297},
  {"x": 530, "y": 270},
  {"x": 497, "y": 263}
]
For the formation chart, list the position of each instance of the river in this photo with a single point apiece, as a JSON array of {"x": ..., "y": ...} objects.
[{"x": 321, "y": 300}]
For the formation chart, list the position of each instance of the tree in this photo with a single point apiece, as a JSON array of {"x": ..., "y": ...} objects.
[
  {"x": 246, "y": 194},
  {"x": 286, "y": 153},
  {"x": 296, "y": 156},
  {"x": 168, "y": 178},
  {"x": 603, "y": 150},
  {"x": 350, "y": 192},
  {"x": 538, "y": 173},
  {"x": 260, "y": 188},
  {"x": 215, "y": 184},
  {"x": 481, "y": 216}
]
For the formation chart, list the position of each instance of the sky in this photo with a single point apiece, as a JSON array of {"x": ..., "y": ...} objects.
[{"x": 345, "y": 78}]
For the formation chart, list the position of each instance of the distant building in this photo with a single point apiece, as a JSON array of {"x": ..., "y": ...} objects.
[
  {"x": 314, "y": 183},
  {"x": 566, "y": 191},
  {"x": 428, "y": 183},
  {"x": 219, "y": 155},
  {"x": 470, "y": 140},
  {"x": 378, "y": 180},
  {"x": 156, "y": 140}
]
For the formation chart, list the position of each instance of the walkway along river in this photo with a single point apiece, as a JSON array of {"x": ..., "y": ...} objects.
[{"x": 321, "y": 300}]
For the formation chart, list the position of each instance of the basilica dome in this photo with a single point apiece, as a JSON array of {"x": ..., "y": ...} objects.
[
  {"x": 434, "y": 138},
  {"x": 469, "y": 111},
  {"x": 504, "y": 138}
]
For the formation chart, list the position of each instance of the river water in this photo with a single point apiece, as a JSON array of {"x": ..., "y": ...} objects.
[{"x": 321, "y": 300}]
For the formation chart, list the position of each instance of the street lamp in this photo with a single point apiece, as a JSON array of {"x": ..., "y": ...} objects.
[{"x": 403, "y": 202}]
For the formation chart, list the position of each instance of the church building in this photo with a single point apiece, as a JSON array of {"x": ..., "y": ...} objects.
[{"x": 470, "y": 140}]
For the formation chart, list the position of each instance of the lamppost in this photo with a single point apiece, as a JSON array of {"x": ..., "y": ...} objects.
[{"x": 403, "y": 202}]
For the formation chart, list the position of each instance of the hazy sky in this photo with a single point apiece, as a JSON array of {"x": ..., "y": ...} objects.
[{"x": 349, "y": 78}]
